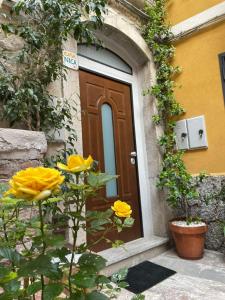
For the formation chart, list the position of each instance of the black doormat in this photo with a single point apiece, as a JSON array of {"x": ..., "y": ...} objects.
[{"x": 145, "y": 275}]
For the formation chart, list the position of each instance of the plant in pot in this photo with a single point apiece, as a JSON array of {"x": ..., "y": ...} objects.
[{"x": 188, "y": 231}]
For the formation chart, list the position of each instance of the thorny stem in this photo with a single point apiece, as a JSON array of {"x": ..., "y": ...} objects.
[
  {"x": 4, "y": 227},
  {"x": 44, "y": 246},
  {"x": 75, "y": 232}
]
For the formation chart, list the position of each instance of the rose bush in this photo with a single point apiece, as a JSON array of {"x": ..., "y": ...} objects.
[{"x": 32, "y": 258}]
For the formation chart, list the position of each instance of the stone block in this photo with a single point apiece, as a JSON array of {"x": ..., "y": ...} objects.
[
  {"x": 11, "y": 42},
  {"x": 16, "y": 144},
  {"x": 10, "y": 167}
]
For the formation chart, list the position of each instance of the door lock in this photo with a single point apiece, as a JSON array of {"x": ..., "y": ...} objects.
[{"x": 132, "y": 160}]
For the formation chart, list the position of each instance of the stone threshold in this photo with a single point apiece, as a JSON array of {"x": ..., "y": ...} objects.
[{"x": 133, "y": 248}]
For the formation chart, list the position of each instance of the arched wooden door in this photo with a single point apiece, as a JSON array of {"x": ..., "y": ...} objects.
[{"x": 108, "y": 135}]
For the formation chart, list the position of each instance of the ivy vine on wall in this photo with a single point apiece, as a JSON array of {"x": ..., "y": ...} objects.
[
  {"x": 174, "y": 175},
  {"x": 43, "y": 26}
]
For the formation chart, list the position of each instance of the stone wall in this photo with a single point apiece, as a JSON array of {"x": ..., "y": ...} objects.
[
  {"x": 20, "y": 149},
  {"x": 211, "y": 208}
]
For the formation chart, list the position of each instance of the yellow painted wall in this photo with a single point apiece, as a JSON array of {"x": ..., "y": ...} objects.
[
  {"x": 179, "y": 10},
  {"x": 201, "y": 94}
]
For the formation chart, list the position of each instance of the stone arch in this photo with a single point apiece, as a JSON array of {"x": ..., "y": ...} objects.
[{"x": 123, "y": 37}]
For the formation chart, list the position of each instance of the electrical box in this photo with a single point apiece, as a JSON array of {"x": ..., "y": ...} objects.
[
  {"x": 181, "y": 132},
  {"x": 197, "y": 133}
]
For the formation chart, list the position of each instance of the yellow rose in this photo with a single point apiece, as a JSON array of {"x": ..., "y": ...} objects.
[
  {"x": 122, "y": 209},
  {"x": 35, "y": 183},
  {"x": 76, "y": 163}
]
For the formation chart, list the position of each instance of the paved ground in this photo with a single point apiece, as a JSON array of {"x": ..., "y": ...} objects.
[{"x": 202, "y": 279}]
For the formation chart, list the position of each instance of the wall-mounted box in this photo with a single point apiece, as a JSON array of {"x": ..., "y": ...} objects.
[
  {"x": 181, "y": 132},
  {"x": 197, "y": 133}
]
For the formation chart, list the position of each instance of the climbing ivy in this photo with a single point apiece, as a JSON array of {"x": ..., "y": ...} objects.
[
  {"x": 174, "y": 175},
  {"x": 43, "y": 26}
]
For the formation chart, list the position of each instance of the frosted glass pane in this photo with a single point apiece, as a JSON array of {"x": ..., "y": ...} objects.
[
  {"x": 104, "y": 56},
  {"x": 109, "y": 148}
]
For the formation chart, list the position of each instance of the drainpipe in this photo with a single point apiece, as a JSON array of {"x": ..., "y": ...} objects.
[{"x": 136, "y": 6}]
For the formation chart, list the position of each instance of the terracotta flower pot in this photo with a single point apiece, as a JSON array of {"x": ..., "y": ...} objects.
[{"x": 189, "y": 240}]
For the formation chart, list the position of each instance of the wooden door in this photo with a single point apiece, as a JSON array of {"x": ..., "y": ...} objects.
[{"x": 108, "y": 135}]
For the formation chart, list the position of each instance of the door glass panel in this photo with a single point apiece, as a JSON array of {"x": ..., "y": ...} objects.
[
  {"x": 103, "y": 56},
  {"x": 109, "y": 148}
]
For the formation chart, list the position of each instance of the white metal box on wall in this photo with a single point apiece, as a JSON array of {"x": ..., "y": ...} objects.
[
  {"x": 191, "y": 134},
  {"x": 181, "y": 133},
  {"x": 197, "y": 133}
]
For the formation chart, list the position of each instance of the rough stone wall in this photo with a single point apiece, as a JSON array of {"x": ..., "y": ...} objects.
[
  {"x": 211, "y": 208},
  {"x": 10, "y": 46},
  {"x": 20, "y": 149}
]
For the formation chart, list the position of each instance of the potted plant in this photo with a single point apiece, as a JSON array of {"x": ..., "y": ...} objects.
[{"x": 188, "y": 231}]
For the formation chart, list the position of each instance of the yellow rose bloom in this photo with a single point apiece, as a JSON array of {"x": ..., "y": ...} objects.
[
  {"x": 121, "y": 209},
  {"x": 35, "y": 183},
  {"x": 76, "y": 164}
]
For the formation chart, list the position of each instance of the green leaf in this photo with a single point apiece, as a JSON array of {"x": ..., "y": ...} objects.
[
  {"x": 101, "y": 279},
  {"x": 79, "y": 295},
  {"x": 117, "y": 243},
  {"x": 12, "y": 287},
  {"x": 96, "y": 296},
  {"x": 52, "y": 290},
  {"x": 7, "y": 202},
  {"x": 84, "y": 280},
  {"x": 8, "y": 277},
  {"x": 10, "y": 254},
  {"x": 52, "y": 200},
  {"x": 97, "y": 224},
  {"x": 6, "y": 296},
  {"x": 41, "y": 265},
  {"x": 138, "y": 297},
  {"x": 99, "y": 179},
  {"x": 56, "y": 241},
  {"x": 34, "y": 288},
  {"x": 94, "y": 214},
  {"x": 122, "y": 284},
  {"x": 93, "y": 261},
  {"x": 60, "y": 253},
  {"x": 128, "y": 222},
  {"x": 117, "y": 221},
  {"x": 120, "y": 275},
  {"x": 7, "y": 28}
]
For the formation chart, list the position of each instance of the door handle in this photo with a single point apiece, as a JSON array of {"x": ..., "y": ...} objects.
[{"x": 133, "y": 154}]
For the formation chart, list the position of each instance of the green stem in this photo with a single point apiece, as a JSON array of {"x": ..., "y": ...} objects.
[
  {"x": 44, "y": 246},
  {"x": 75, "y": 229},
  {"x": 186, "y": 209}
]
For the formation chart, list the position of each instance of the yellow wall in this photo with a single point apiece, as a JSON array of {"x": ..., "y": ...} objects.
[
  {"x": 179, "y": 10},
  {"x": 201, "y": 93}
]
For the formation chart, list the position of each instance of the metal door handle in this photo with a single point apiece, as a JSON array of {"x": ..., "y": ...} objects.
[{"x": 133, "y": 154}]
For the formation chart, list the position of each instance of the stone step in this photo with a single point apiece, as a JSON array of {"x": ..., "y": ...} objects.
[{"x": 133, "y": 252}]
